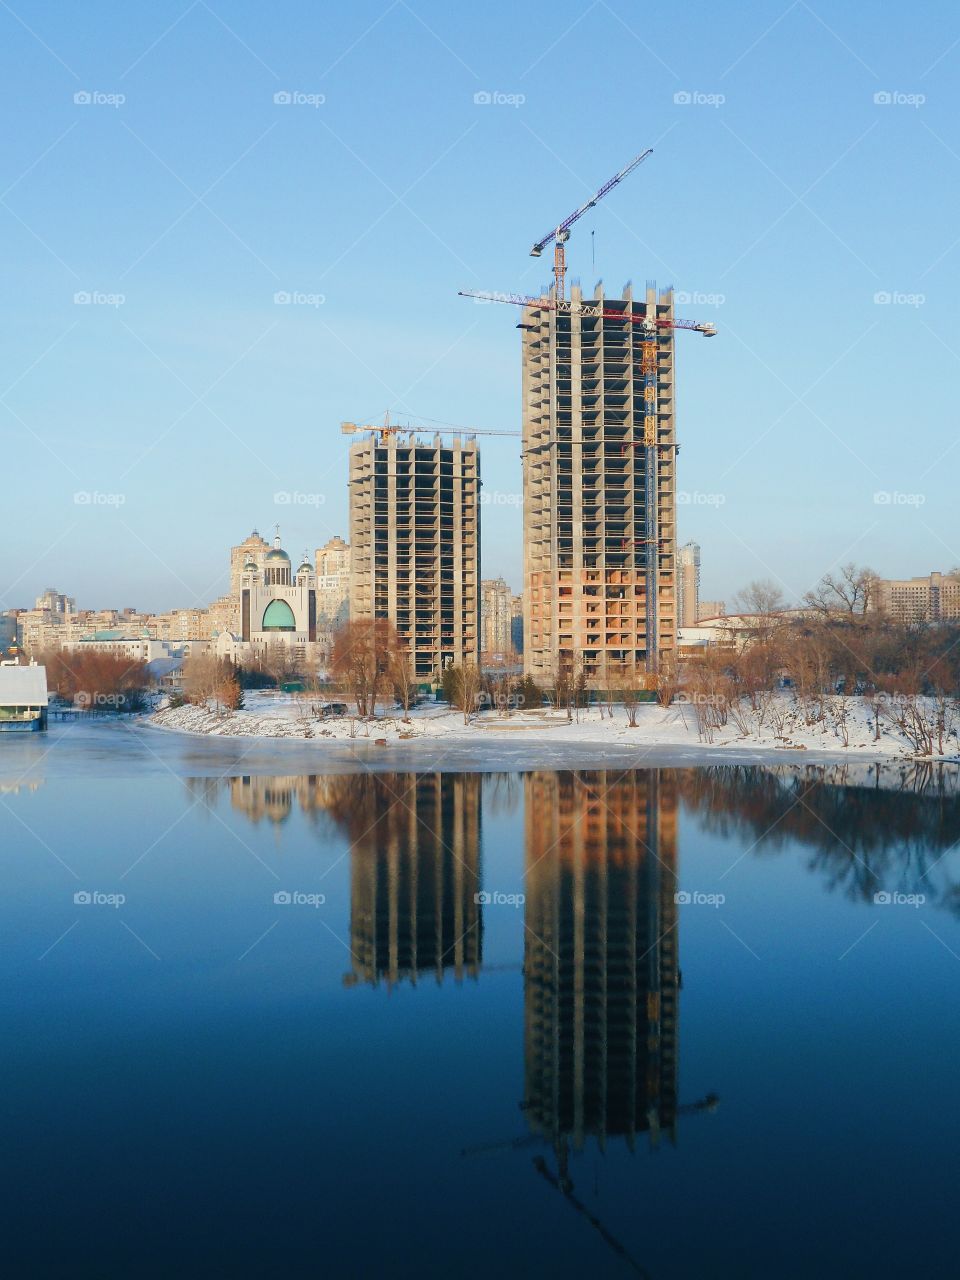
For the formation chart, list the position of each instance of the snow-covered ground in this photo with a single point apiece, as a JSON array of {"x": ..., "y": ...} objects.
[{"x": 847, "y": 727}]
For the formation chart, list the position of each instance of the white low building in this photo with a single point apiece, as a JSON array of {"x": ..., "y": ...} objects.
[{"x": 23, "y": 697}]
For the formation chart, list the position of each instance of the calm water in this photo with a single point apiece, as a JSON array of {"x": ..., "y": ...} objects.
[{"x": 567, "y": 1022}]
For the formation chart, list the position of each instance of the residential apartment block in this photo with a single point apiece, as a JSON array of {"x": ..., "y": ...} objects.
[
  {"x": 333, "y": 582},
  {"x": 688, "y": 584},
  {"x": 498, "y": 609},
  {"x": 415, "y": 544},
  {"x": 935, "y": 598}
]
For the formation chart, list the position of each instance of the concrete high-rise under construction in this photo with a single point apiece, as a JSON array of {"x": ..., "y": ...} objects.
[
  {"x": 415, "y": 544},
  {"x": 599, "y": 485},
  {"x": 688, "y": 585}
]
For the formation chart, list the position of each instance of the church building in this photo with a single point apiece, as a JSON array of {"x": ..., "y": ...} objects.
[{"x": 275, "y": 604}]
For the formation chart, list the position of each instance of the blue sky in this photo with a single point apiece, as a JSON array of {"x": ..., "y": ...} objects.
[{"x": 814, "y": 169}]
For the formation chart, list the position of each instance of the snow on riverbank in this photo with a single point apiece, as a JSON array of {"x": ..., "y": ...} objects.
[{"x": 847, "y": 728}]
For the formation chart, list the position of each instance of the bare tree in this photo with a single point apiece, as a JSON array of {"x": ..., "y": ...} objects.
[
  {"x": 362, "y": 653},
  {"x": 200, "y": 677},
  {"x": 464, "y": 684},
  {"x": 401, "y": 677},
  {"x": 763, "y": 602},
  {"x": 565, "y": 682},
  {"x": 668, "y": 680},
  {"x": 626, "y": 681},
  {"x": 849, "y": 593}
]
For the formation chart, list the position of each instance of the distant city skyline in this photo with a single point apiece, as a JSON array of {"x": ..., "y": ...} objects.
[{"x": 214, "y": 222}]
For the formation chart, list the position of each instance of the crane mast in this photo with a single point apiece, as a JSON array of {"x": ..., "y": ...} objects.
[
  {"x": 650, "y": 326},
  {"x": 561, "y": 233}
]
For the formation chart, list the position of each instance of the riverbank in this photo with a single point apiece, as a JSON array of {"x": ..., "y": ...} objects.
[{"x": 848, "y": 727}]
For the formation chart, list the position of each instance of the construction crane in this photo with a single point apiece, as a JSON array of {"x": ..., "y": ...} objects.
[
  {"x": 561, "y": 234},
  {"x": 569, "y": 307},
  {"x": 387, "y": 428},
  {"x": 650, "y": 326}
]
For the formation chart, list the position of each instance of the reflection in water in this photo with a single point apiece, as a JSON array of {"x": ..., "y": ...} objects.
[
  {"x": 272, "y": 797},
  {"x": 414, "y": 874},
  {"x": 872, "y": 827},
  {"x": 601, "y": 956}
]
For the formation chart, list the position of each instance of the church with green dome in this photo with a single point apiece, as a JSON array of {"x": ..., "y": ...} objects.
[{"x": 277, "y": 604}]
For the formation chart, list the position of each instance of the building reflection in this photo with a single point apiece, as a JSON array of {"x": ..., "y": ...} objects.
[
  {"x": 601, "y": 956},
  {"x": 414, "y": 876},
  {"x": 274, "y": 798}
]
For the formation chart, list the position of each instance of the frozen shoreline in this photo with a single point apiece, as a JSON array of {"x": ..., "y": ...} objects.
[{"x": 544, "y": 736}]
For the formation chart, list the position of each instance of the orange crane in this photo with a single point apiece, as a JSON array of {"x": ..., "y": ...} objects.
[
  {"x": 650, "y": 327},
  {"x": 387, "y": 428},
  {"x": 569, "y": 307},
  {"x": 561, "y": 234}
]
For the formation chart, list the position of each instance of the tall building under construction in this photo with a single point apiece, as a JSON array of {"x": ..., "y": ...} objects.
[
  {"x": 599, "y": 483},
  {"x": 415, "y": 540}
]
